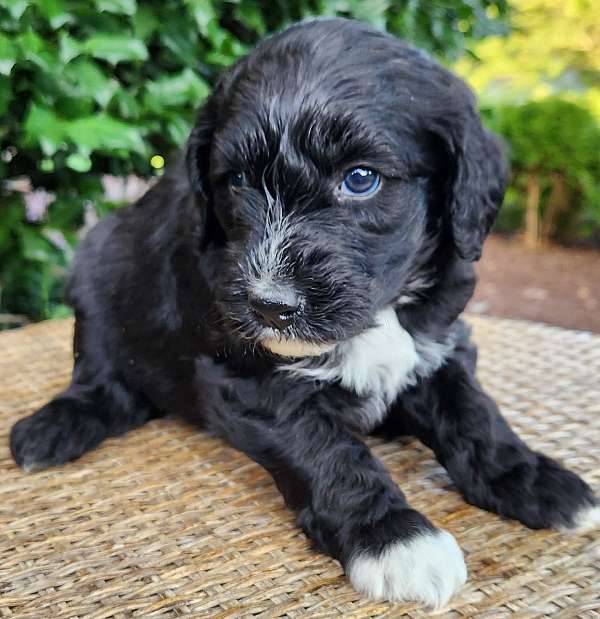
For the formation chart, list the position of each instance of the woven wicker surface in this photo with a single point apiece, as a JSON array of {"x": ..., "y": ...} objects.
[{"x": 165, "y": 521}]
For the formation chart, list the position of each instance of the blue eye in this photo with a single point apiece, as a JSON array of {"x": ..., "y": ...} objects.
[
  {"x": 237, "y": 180},
  {"x": 360, "y": 182}
]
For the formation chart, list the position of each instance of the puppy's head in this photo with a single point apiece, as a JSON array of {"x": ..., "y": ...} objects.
[{"x": 329, "y": 164}]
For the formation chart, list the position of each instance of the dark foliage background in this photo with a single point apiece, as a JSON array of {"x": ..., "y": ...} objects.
[{"x": 95, "y": 94}]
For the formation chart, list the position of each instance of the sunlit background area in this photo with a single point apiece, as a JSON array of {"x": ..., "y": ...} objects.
[{"x": 96, "y": 96}]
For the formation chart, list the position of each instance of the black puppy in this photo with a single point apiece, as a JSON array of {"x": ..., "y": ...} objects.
[{"x": 297, "y": 280}]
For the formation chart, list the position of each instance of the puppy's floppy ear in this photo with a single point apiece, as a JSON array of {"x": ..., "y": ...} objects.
[
  {"x": 197, "y": 160},
  {"x": 197, "y": 150},
  {"x": 478, "y": 184}
]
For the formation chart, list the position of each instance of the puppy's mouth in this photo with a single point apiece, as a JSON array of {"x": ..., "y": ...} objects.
[{"x": 284, "y": 346}]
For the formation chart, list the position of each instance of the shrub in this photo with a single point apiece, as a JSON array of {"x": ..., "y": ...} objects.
[
  {"x": 554, "y": 148},
  {"x": 90, "y": 88}
]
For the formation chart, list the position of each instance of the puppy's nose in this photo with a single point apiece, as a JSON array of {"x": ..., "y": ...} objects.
[{"x": 275, "y": 308}]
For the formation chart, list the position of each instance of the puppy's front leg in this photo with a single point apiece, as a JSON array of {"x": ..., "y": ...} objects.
[
  {"x": 492, "y": 467},
  {"x": 348, "y": 505}
]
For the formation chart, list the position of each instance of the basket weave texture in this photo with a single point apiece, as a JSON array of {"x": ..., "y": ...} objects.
[{"x": 168, "y": 522}]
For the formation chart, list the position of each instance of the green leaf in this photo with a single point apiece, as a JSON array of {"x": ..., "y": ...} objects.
[
  {"x": 125, "y": 7},
  {"x": 101, "y": 132},
  {"x": 69, "y": 47},
  {"x": 74, "y": 105},
  {"x": 39, "y": 51},
  {"x": 216, "y": 35},
  {"x": 127, "y": 105},
  {"x": 80, "y": 162},
  {"x": 34, "y": 246},
  {"x": 55, "y": 11},
  {"x": 89, "y": 81},
  {"x": 203, "y": 13},
  {"x": 115, "y": 48},
  {"x": 183, "y": 89},
  {"x": 31, "y": 43},
  {"x": 251, "y": 16},
  {"x": 46, "y": 165},
  {"x": 181, "y": 41},
  {"x": 219, "y": 59},
  {"x": 145, "y": 22},
  {"x": 16, "y": 8},
  {"x": 8, "y": 54},
  {"x": 43, "y": 127},
  {"x": 179, "y": 130}
]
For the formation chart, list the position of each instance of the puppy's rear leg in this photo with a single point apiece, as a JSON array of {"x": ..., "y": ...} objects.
[{"x": 98, "y": 404}]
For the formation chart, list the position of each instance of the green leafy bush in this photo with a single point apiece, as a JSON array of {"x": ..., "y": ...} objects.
[
  {"x": 90, "y": 88},
  {"x": 554, "y": 147}
]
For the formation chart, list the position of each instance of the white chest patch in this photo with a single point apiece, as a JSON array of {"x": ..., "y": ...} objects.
[{"x": 379, "y": 363}]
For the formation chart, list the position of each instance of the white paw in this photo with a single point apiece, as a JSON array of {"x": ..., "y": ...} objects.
[
  {"x": 427, "y": 569},
  {"x": 585, "y": 520}
]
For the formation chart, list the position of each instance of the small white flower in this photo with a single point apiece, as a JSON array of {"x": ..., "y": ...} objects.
[
  {"x": 113, "y": 187},
  {"x": 20, "y": 185},
  {"x": 136, "y": 187},
  {"x": 36, "y": 204},
  {"x": 124, "y": 188}
]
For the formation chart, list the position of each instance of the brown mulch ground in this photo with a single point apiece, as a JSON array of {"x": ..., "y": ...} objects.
[{"x": 556, "y": 285}]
